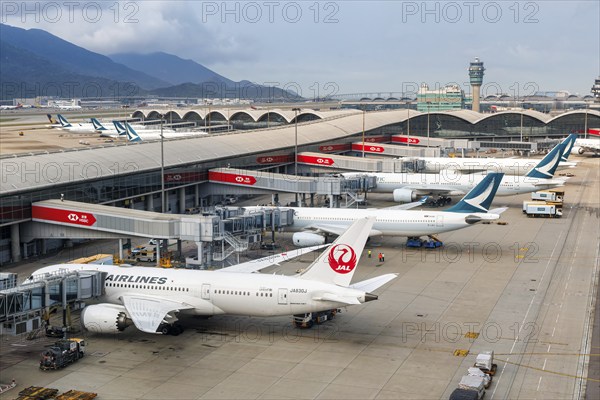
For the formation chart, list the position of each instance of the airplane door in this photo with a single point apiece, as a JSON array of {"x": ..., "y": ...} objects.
[
  {"x": 206, "y": 291},
  {"x": 439, "y": 221},
  {"x": 283, "y": 296}
]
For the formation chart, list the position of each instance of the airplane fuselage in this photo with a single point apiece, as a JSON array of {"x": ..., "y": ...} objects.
[
  {"x": 509, "y": 166},
  {"x": 388, "y": 222},
  {"x": 457, "y": 182},
  {"x": 214, "y": 292}
]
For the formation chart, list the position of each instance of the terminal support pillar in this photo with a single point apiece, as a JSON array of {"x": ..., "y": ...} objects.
[
  {"x": 181, "y": 200},
  {"x": 15, "y": 243},
  {"x": 120, "y": 249},
  {"x": 158, "y": 244},
  {"x": 196, "y": 195},
  {"x": 200, "y": 253}
]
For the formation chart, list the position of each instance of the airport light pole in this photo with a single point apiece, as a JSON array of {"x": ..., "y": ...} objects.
[
  {"x": 408, "y": 124},
  {"x": 162, "y": 167},
  {"x": 363, "y": 132},
  {"x": 585, "y": 129},
  {"x": 295, "y": 110},
  {"x": 428, "y": 104},
  {"x": 522, "y": 109}
]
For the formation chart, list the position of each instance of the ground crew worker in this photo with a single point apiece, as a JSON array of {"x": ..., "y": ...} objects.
[
  {"x": 380, "y": 256},
  {"x": 369, "y": 253}
]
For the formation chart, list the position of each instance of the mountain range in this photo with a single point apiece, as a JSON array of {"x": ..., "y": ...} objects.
[{"x": 36, "y": 63}]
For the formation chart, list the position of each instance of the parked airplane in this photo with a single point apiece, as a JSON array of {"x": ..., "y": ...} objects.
[
  {"x": 313, "y": 224},
  {"x": 509, "y": 166},
  {"x": 590, "y": 145},
  {"x": 77, "y": 128},
  {"x": 18, "y": 106},
  {"x": 407, "y": 187},
  {"x": 151, "y": 298},
  {"x": 148, "y": 134},
  {"x": 117, "y": 132}
]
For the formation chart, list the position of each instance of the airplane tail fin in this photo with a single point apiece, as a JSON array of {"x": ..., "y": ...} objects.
[
  {"x": 480, "y": 197},
  {"x": 568, "y": 144},
  {"x": 120, "y": 128},
  {"x": 97, "y": 125},
  {"x": 52, "y": 120},
  {"x": 546, "y": 168},
  {"x": 63, "y": 121},
  {"x": 337, "y": 264},
  {"x": 132, "y": 135}
]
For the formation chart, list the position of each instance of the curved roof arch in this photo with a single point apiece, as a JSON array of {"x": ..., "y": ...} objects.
[
  {"x": 573, "y": 112},
  {"x": 171, "y": 115},
  {"x": 192, "y": 116}
]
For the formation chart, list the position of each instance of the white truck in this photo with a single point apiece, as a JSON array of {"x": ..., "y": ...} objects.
[
  {"x": 485, "y": 362},
  {"x": 554, "y": 196},
  {"x": 469, "y": 388},
  {"x": 542, "y": 209}
]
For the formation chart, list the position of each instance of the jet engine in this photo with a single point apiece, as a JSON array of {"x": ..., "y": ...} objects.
[
  {"x": 404, "y": 195},
  {"x": 304, "y": 239},
  {"x": 105, "y": 318},
  {"x": 579, "y": 150}
]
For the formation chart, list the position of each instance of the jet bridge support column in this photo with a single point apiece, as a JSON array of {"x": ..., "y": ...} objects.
[
  {"x": 150, "y": 202},
  {"x": 181, "y": 200},
  {"x": 15, "y": 243},
  {"x": 200, "y": 254},
  {"x": 120, "y": 249},
  {"x": 158, "y": 253}
]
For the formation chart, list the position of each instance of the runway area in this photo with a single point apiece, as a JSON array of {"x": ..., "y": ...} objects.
[{"x": 526, "y": 290}]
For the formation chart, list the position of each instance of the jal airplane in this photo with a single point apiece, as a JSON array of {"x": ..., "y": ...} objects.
[
  {"x": 312, "y": 225},
  {"x": 406, "y": 187},
  {"x": 151, "y": 298},
  {"x": 509, "y": 166}
]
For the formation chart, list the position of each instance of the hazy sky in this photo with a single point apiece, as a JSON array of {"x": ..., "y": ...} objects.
[{"x": 345, "y": 46}]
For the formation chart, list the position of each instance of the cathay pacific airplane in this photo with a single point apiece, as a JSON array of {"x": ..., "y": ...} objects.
[
  {"x": 151, "y": 298},
  {"x": 77, "y": 128},
  {"x": 590, "y": 145},
  {"x": 509, "y": 166},
  {"x": 147, "y": 134},
  {"x": 313, "y": 224},
  {"x": 406, "y": 187}
]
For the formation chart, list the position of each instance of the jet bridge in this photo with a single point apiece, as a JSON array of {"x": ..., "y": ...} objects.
[
  {"x": 22, "y": 306},
  {"x": 269, "y": 182},
  {"x": 218, "y": 233},
  {"x": 396, "y": 150}
]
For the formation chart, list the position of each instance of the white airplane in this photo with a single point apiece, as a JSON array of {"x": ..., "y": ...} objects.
[
  {"x": 18, "y": 106},
  {"x": 590, "y": 145},
  {"x": 117, "y": 132},
  {"x": 151, "y": 134},
  {"x": 77, "y": 128},
  {"x": 509, "y": 166},
  {"x": 151, "y": 298},
  {"x": 313, "y": 224},
  {"x": 407, "y": 187}
]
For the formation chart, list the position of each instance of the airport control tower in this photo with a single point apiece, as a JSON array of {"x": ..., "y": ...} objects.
[
  {"x": 476, "y": 76},
  {"x": 596, "y": 90}
]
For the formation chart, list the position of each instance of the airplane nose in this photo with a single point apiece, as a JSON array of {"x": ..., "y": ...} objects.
[
  {"x": 370, "y": 297},
  {"x": 472, "y": 219}
]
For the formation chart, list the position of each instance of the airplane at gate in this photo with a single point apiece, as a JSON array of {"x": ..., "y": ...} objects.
[
  {"x": 151, "y": 298},
  {"x": 406, "y": 187},
  {"x": 313, "y": 224},
  {"x": 509, "y": 166}
]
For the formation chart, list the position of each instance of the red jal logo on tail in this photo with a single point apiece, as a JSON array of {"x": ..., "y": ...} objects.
[{"x": 342, "y": 258}]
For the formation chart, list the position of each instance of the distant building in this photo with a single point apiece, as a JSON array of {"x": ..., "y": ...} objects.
[{"x": 450, "y": 97}]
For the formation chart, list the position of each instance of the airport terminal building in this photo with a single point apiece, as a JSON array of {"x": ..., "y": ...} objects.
[{"x": 132, "y": 175}]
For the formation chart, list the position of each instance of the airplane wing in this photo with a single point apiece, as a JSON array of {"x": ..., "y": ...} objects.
[
  {"x": 337, "y": 229},
  {"x": 371, "y": 284},
  {"x": 337, "y": 298},
  {"x": 407, "y": 206},
  {"x": 498, "y": 210},
  {"x": 148, "y": 312},
  {"x": 275, "y": 259}
]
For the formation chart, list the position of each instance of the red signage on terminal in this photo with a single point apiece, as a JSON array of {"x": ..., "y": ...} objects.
[
  {"x": 315, "y": 160},
  {"x": 335, "y": 147},
  {"x": 184, "y": 177},
  {"x": 404, "y": 139},
  {"x": 59, "y": 215},
  {"x": 237, "y": 179},
  {"x": 274, "y": 159},
  {"x": 377, "y": 139},
  {"x": 369, "y": 148}
]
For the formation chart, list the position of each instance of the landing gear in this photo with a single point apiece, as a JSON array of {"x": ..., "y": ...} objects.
[
  {"x": 167, "y": 329},
  {"x": 431, "y": 243},
  {"x": 438, "y": 202}
]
